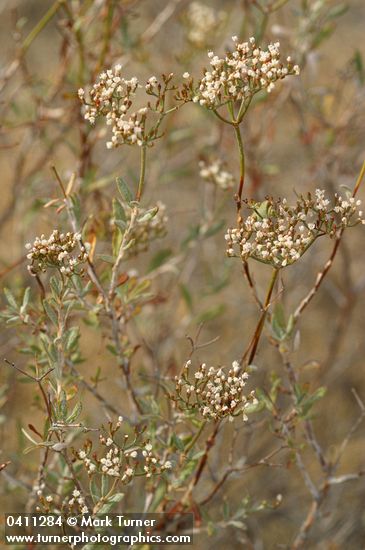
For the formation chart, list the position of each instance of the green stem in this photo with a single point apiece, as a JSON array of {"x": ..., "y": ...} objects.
[
  {"x": 242, "y": 165},
  {"x": 142, "y": 173},
  {"x": 359, "y": 180},
  {"x": 243, "y": 109},
  {"x": 262, "y": 28},
  {"x": 277, "y": 5},
  {"x": 40, "y": 25},
  {"x": 196, "y": 437},
  {"x": 225, "y": 120},
  {"x": 107, "y": 34},
  {"x": 230, "y": 108},
  {"x": 80, "y": 43}
]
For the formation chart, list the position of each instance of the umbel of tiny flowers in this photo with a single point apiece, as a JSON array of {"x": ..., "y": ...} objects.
[
  {"x": 64, "y": 251},
  {"x": 216, "y": 393},
  {"x": 279, "y": 234},
  {"x": 112, "y": 97},
  {"x": 122, "y": 456},
  {"x": 216, "y": 173},
  {"x": 52, "y": 505},
  {"x": 237, "y": 77},
  {"x": 119, "y": 456},
  {"x": 55, "y": 504}
]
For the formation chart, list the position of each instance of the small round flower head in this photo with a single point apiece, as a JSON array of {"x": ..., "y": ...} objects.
[
  {"x": 279, "y": 234},
  {"x": 216, "y": 392},
  {"x": 63, "y": 251}
]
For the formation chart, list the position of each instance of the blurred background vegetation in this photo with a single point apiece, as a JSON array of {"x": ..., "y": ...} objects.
[{"x": 307, "y": 134}]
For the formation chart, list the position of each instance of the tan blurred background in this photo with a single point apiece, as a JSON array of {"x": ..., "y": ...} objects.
[{"x": 288, "y": 150}]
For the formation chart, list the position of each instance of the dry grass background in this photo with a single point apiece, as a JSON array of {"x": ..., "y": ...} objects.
[{"x": 332, "y": 331}]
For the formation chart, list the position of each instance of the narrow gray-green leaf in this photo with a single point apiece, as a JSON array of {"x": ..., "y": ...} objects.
[
  {"x": 124, "y": 190},
  {"x": 50, "y": 312},
  {"x": 10, "y": 298}
]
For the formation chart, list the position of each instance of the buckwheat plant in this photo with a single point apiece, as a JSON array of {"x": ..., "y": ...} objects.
[
  {"x": 112, "y": 97},
  {"x": 183, "y": 280},
  {"x": 275, "y": 233},
  {"x": 232, "y": 83}
]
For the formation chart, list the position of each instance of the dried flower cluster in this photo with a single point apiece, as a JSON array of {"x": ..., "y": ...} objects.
[
  {"x": 203, "y": 22},
  {"x": 279, "y": 234},
  {"x": 150, "y": 225},
  {"x": 214, "y": 392},
  {"x": 64, "y": 251},
  {"x": 239, "y": 75},
  {"x": 216, "y": 173},
  {"x": 112, "y": 97}
]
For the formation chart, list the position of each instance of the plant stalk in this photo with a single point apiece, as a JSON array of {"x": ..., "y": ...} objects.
[
  {"x": 257, "y": 335},
  {"x": 142, "y": 173}
]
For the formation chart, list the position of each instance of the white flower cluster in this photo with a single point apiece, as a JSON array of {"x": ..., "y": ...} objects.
[
  {"x": 150, "y": 225},
  {"x": 112, "y": 97},
  {"x": 216, "y": 173},
  {"x": 113, "y": 463},
  {"x": 239, "y": 75},
  {"x": 203, "y": 22},
  {"x": 151, "y": 461},
  {"x": 53, "y": 504},
  {"x": 123, "y": 461},
  {"x": 214, "y": 392},
  {"x": 58, "y": 251},
  {"x": 77, "y": 501},
  {"x": 279, "y": 234},
  {"x": 89, "y": 465},
  {"x": 38, "y": 488}
]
